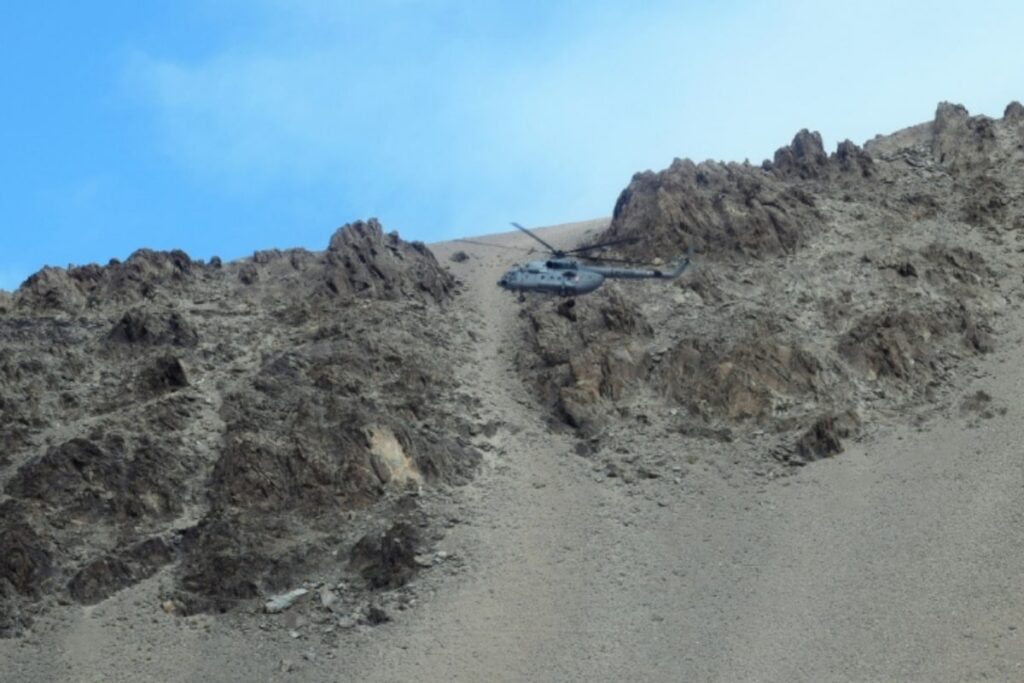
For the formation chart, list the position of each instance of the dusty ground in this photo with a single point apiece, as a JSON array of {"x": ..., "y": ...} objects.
[
  {"x": 633, "y": 545},
  {"x": 893, "y": 562}
]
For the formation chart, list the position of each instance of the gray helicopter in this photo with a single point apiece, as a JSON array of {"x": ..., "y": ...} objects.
[{"x": 564, "y": 275}]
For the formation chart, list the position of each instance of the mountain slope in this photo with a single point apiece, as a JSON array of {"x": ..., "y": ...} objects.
[
  {"x": 636, "y": 512},
  {"x": 221, "y": 423}
]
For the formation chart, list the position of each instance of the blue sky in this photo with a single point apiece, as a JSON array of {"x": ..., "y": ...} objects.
[{"x": 225, "y": 126}]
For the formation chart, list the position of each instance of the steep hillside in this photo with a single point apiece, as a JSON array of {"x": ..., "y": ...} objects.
[
  {"x": 235, "y": 426},
  {"x": 831, "y": 291}
]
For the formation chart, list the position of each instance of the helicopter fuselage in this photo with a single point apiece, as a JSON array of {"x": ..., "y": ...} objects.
[
  {"x": 568, "y": 277},
  {"x": 563, "y": 277}
]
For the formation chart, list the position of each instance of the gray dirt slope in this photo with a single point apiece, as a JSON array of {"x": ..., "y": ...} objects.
[{"x": 799, "y": 462}]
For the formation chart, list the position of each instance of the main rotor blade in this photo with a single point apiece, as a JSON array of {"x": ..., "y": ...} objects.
[
  {"x": 626, "y": 240},
  {"x": 489, "y": 244},
  {"x": 549, "y": 247}
]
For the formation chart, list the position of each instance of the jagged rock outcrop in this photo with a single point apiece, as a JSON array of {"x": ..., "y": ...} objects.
[
  {"x": 823, "y": 439},
  {"x": 852, "y": 160},
  {"x": 713, "y": 207},
  {"x": 804, "y": 158},
  {"x": 714, "y": 380},
  {"x": 588, "y": 355},
  {"x": 728, "y": 208},
  {"x": 387, "y": 559},
  {"x": 140, "y": 326},
  {"x": 1014, "y": 112},
  {"x": 145, "y": 276},
  {"x": 736, "y": 208},
  {"x": 961, "y": 142},
  {"x": 899, "y": 343},
  {"x": 360, "y": 262},
  {"x": 81, "y": 480},
  {"x": 104, "y": 576}
]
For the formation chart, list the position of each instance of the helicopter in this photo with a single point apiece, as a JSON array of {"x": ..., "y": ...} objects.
[{"x": 564, "y": 275}]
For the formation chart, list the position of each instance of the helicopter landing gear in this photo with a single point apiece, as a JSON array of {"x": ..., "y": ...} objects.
[{"x": 521, "y": 298}]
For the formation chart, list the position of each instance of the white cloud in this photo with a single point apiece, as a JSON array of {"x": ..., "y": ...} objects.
[{"x": 452, "y": 112}]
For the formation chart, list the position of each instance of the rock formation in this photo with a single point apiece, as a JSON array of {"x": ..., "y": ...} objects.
[{"x": 222, "y": 422}]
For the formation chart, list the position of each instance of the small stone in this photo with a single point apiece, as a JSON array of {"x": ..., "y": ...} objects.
[
  {"x": 376, "y": 616},
  {"x": 310, "y": 655},
  {"x": 287, "y": 665},
  {"x": 328, "y": 598},
  {"x": 279, "y": 603},
  {"x": 169, "y": 606},
  {"x": 424, "y": 560},
  {"x": 346, "y": 622},
  {"x": 294, "y": 634}
]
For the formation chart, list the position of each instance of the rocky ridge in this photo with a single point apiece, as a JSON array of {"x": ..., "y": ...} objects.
[{"x": 830, "y": 291}]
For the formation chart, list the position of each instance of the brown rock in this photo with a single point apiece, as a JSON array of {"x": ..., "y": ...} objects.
[
  {"x": 738, "y": 382},
  {"x": 824, "y": 438},
  {"x": 25, "y": 560},
  {"x": 804, "y": 158},
  {"x": 960, "y": 142},
  {"x": 713, "y": 207},
  {"x": 387, "y": 560},
  {"x": 145, "y": 327},
  {"x": 362, "y": 261},
  {"x": 849, "y": 158}
]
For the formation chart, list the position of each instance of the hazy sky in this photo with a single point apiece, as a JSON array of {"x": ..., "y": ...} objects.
[{"x": 224, "y": 126}]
